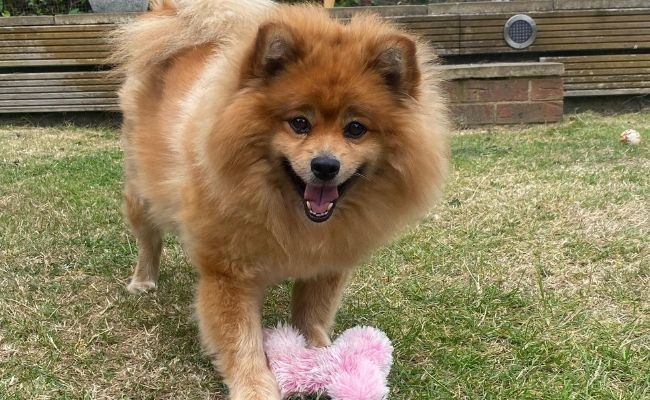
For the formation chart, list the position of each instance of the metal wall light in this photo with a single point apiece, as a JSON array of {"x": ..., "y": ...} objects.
[{"x": 520, "y": 31}]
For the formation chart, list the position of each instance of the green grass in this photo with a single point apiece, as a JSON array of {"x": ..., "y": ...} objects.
[{"x": 530, "y": 280}]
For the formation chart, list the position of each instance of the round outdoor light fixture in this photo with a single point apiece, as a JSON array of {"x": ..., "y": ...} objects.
[{"x": 520, "y": 31}]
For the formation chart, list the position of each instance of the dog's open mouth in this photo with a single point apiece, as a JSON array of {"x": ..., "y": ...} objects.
[{"x": 319, "y": 200}]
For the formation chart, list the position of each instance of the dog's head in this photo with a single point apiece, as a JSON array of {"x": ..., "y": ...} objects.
[
  {"x": 332, "y": 115},
  {"x": 329, "y": 91}
]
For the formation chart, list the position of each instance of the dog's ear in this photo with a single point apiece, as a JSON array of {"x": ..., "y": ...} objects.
[
  {"x": 396, "y": 62},
  {"x": 275, "y": 48}
]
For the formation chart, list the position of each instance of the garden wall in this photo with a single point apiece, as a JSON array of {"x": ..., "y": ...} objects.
[{"x": 505, "y": 93}]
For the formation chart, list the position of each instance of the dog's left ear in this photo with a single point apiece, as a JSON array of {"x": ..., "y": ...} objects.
[
  {"x": 396, "y": 61},
  {"x": 275, "y": 48}
]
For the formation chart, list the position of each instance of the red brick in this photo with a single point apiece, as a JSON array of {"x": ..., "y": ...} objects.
[
  {"x": 491, "y": 90},
  {"x": 528, "y": 112},
  {"x": 547, "y": 89},
  {"x": 472, "y": 114},
  {"x": 453, "y": 90}
]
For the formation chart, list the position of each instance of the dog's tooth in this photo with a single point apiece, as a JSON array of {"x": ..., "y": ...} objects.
[
  {"x": 308, "y": 205},
  {"x": 329, "y": 207}
]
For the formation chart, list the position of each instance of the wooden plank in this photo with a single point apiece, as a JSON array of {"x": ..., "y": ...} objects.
[
  {"x": 572, "y": 42},
  {"x": 422, "y": 24},
  {"x": 568, "y": 79},
  {"x": 71, "y": 87},
  {"x": 55, "y": 75},
  {"x": 59, "y": 108},
  {"x": 433, "y": 41},
  {"x": 59, "y": 82},
  {"x": 478, "y": 7},
  {"x": 601, "y": 72},
  {"x": 96, "y": 18},
  {"x": 496, "y": 47},
  {"x": 489, "y": 26},
  {"x": 56, "y": 49},
  {"x": 541, "y": 40},
  {"x": 439, "y": 37},
  {"x": 57, "y": 62},
  {"x": 55, "y": 56},
  {"x": 56, "y": 28},
  {"x": 54, "y": 102},
  {"x": 567, "y": 44},
  {"x": 582, "y": 4},
  {"x": 620, "y": 16},
  {"x": 435, "y": 19},
  {"x": 596, "y": 59},
  {"x": 639, "y": 14},
  {"x": 28, "y": 20},
  {"x": 607, "y": 85},
  {"x": 534, "y": 48},
  {"x": 52, "y": 35},
  {"x": 57, "y": 95},
  {"x": 621, "y": 66},
  {"x": 430, "y": 24},
  {"x": 383, "y": 11},
  {"x": 53, "y": 42},
  {"x": 443, "y": 52},
  {"x": 599, "y": 31},
  {"x": 606, "y": 92},
  {"x": 434, "y": 31},
  {"x": 436, "y": 44}
]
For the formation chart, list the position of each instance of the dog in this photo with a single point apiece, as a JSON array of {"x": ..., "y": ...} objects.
[{"x": 277, "y": 143}]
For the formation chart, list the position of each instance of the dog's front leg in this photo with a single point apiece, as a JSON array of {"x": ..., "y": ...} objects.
[
  {"x": 314, "y": 305},
  {"x": 229, "y": 314}
]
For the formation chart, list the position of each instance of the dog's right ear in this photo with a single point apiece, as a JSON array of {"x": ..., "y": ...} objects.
[{"x": 275, "y": 48}]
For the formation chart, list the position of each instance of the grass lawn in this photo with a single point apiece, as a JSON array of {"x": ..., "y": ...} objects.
[{"x": 530, "y": 280}]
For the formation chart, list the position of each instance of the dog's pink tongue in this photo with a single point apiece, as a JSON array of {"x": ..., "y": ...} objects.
[{"x": 320, "y": 197}]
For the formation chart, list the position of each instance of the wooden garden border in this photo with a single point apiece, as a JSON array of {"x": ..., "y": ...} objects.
[{"x": 57, "y": 63}]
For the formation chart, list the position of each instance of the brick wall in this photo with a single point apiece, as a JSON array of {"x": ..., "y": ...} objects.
[{"x": 520, "y": 93}]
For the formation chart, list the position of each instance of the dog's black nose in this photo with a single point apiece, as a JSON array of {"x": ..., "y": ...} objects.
[{"x": 325, "y": 167}]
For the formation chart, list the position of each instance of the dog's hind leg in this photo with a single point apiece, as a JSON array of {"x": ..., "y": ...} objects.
[
  {"x": 314, "y": 305},
  {"x": 149, "y": 241}
]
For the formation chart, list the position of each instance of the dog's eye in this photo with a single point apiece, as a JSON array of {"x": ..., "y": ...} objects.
[
  {"x": 300, "y": 125},
  {"x": 354, "y": 130}
]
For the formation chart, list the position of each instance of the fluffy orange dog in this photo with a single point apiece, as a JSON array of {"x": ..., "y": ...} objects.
[{"x": 278, "y": 143}]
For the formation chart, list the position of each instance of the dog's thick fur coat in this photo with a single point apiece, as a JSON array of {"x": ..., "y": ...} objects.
[{"x": 212, "y": 91}]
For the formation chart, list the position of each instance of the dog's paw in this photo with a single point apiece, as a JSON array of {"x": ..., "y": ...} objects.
[{"x": 138, "y": 287}]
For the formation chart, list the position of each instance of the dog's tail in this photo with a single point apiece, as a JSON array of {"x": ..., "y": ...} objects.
[
  {"x": 142, "y": 42},
  {"x": 174, "y": 25}
]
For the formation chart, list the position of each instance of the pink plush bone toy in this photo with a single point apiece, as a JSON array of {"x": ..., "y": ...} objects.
[{"x": 354, "y": 367}]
